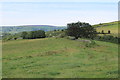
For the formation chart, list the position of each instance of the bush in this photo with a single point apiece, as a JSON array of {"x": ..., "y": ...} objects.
[
  {"x": 33, "y": 34},
  {"x": 62, "y": 35},
  {"x": 107, "y": 38}
]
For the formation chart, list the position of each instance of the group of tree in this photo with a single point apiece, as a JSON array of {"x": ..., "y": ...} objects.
[
  {"x": 80, "y": 29},
  {"x": 33, "y": 34},
  {"x": 102, "y": 32}
]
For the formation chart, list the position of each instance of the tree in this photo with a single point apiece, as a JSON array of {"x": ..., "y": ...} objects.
[
  {"x": 55, "y": 30},
  {"x": 88, "y": 31},
  {"x": 24, "y": 35},
  {"x": 40, "y": 34},
  {"x": 80, "y": 29},
  {"x": 62, "y": 30},
  {"x": 33, "y": 34},
  {"x": 73, "y": 29}
]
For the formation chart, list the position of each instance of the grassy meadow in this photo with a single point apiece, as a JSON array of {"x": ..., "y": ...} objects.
[
  {"x": 59, "y": 58},
  {"x": 66, "y": 39}
]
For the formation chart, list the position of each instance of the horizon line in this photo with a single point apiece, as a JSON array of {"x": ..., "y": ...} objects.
[{"x": 54, "y": 25}]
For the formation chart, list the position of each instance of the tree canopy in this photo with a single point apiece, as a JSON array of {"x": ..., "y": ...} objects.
[
  {"x": 80, "y": 29},
  {"x": 33, "y": 34}
]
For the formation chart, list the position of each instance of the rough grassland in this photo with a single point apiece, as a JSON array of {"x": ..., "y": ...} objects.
[{"x": 59, "y": 58}]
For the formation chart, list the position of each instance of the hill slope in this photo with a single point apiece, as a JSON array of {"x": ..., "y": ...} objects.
[
  {"x": 16, "y": 29},
  {"x": 112, "y": 26},
  {"x": 59, "y": 58}
]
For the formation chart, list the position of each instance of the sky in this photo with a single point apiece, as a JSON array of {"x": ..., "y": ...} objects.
[
  {"x": 57, "y": 12},
  {"x": 59, "y": 0}
]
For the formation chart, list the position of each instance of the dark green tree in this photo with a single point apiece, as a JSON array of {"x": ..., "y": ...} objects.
[
  {"x": 40, "y": 34},
  {"x": 80, "y": 29},
  {"x": 24, "y": 35},
  {"x": 33, "y": 34},
  {"x": 73, "y": 29}
]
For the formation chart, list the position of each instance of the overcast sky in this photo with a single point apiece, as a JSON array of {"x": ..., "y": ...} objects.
[{"x": 57, "y": 12}]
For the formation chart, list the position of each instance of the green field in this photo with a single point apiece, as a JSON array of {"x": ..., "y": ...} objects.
[
  {"x": 59, "y": 58},
  {"x": 112, "y": 26}
]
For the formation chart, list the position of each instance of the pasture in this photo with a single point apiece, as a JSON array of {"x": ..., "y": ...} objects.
[
  {"x": 112, "y": 26},
  {"x": 59, "y": 58}
]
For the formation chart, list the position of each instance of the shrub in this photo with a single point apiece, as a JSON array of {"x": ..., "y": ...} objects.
[
  {"x": 62, "y": 35},
  {"x": 107, "y": 38},
  {"x": 33, "y": 34}
]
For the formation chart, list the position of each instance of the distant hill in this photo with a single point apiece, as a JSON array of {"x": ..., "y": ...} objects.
[
  {"x": 16, "y": 29},
  {"x": 112, "y": 26}
]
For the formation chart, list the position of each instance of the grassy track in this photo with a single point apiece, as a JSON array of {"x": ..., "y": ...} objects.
[{"x": 59, "y": 58}]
